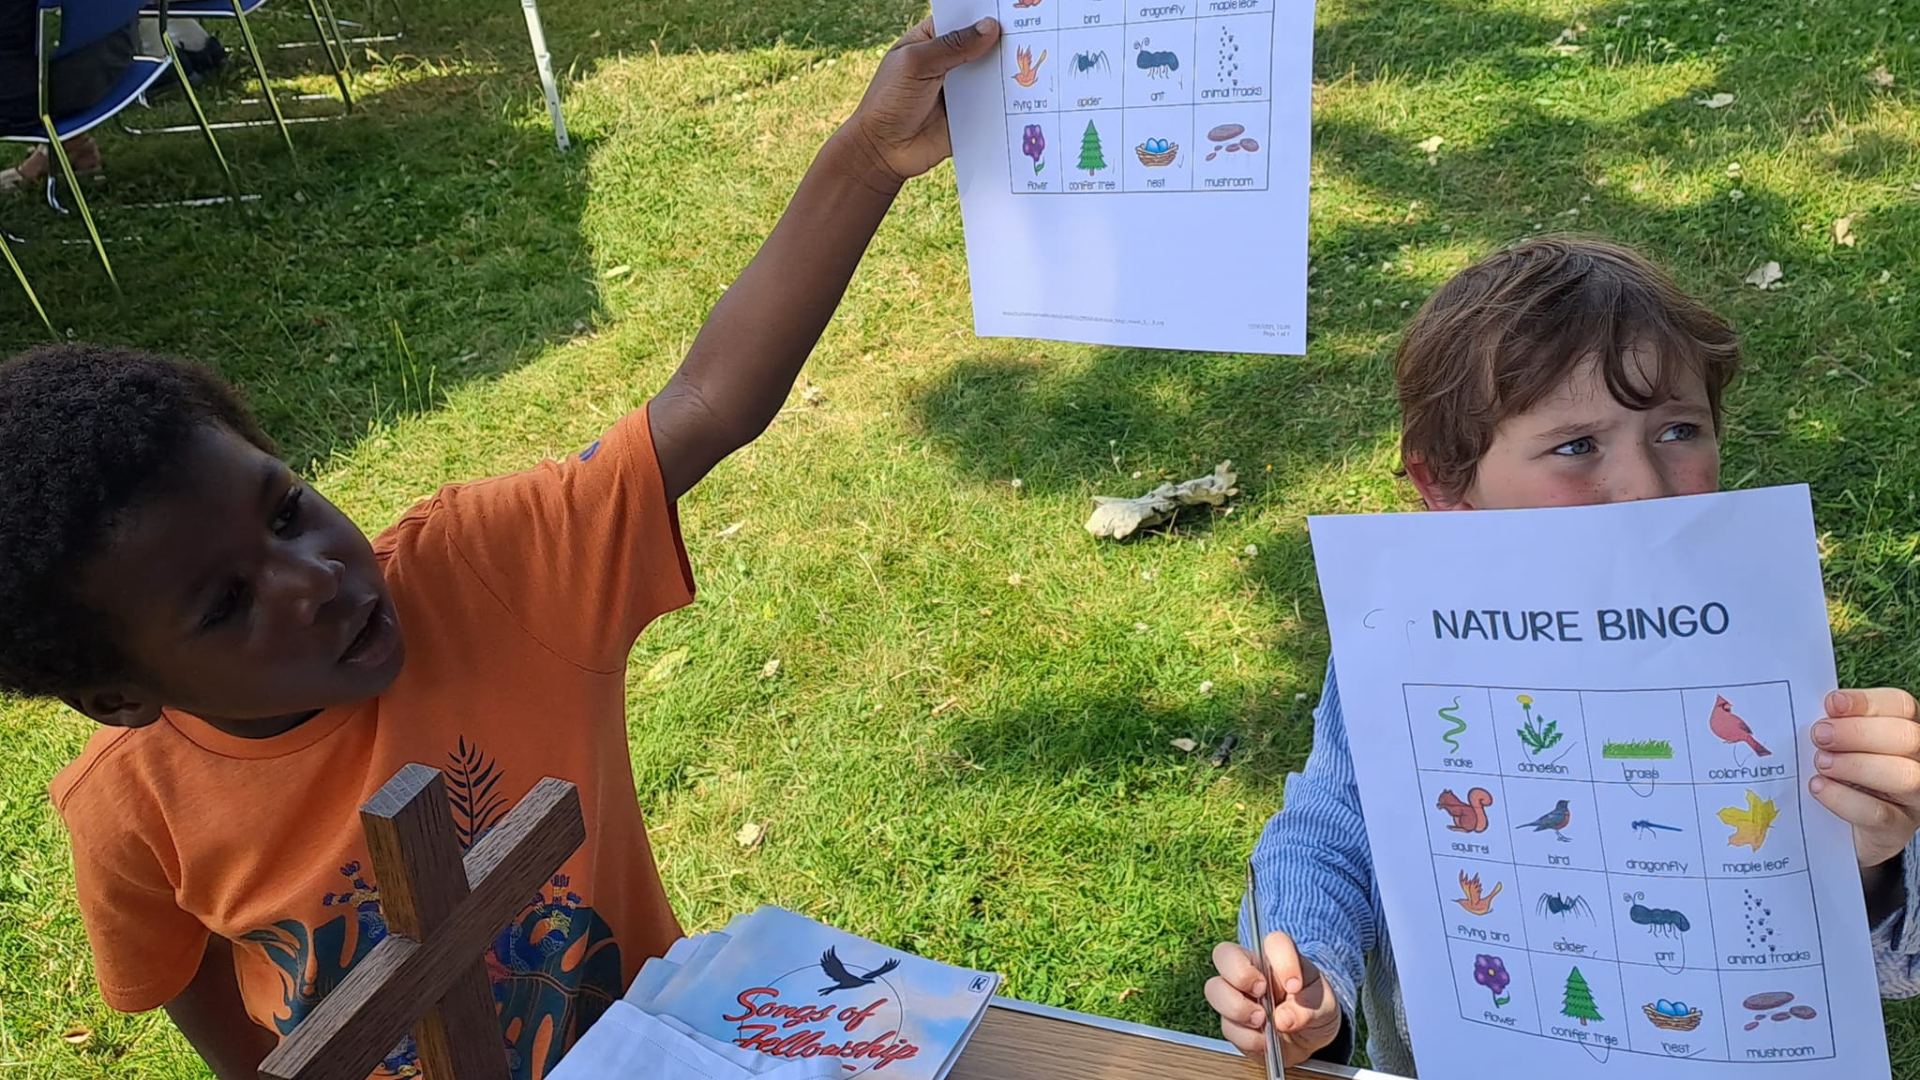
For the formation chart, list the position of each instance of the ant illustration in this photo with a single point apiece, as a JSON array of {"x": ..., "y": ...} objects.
[{"x": 1157, "y": 65}]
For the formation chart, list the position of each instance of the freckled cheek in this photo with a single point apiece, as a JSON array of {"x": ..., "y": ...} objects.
[{"x": 1563, "y": 490}]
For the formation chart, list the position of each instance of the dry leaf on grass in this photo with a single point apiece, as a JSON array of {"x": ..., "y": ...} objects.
[
  {"x": 1117, "y": 519},
  {"x": 1766, "y": 277},
  {"x": 729, "y": 530},
  {"x": 770, "y": 669},
  {"x": 1881, "y": 77},
  {"x": 1129, "y": 992},
  {"x": 1185, "y": 746},
  {"x": 750, "y": 835},
  {"x": 669, "y": 665},
  {"x": 1717, "y": 101},
  {"x": 1432, "y": 144},
  {"x": 77, "y": 1035},
  {"x": 1843, "y": 231}
]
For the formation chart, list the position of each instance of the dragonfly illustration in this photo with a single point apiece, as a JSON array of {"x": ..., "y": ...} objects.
[{"x": 1650, "y": 829}]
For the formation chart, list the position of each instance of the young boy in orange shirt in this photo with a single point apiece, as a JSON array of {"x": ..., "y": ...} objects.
[
  {"x": 1564, "y": 372},
  {"x": 262, "y": 668}
]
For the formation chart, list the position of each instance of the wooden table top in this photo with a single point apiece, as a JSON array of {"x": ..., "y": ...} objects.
[{"x": 1017, "y": 1041}]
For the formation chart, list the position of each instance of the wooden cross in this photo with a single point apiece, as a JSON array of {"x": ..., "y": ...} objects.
[{"x": 443, "y": 912}]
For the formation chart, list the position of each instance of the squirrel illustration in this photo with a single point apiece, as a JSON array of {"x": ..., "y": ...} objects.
[{"x": 1469, "y": 816}]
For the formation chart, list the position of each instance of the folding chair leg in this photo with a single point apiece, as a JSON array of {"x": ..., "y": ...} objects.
[
  {"x": 200, "y": 115},
  {"x": 339, "y": 38},
  {"x": 27, "y": 287},
  {"x": 260, "y": 69},
  {"x": 327, "y": 43},
  {"x": 59, "y": 153}
]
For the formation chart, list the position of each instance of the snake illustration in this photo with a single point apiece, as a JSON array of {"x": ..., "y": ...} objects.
[{"x": 1451, "y": 714}]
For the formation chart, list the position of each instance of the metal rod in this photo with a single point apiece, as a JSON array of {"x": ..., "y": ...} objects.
[
  {"x": 59, "y": 152},
  {"x": 27, "y": 287},
  {"x": 266, "y": 89},
  {"x": 544, "y": 60}
]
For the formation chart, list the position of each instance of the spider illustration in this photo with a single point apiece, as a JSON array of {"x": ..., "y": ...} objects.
[
  {"x": 1557, "y": 904},
  {"x": 1094, "y": 61}
]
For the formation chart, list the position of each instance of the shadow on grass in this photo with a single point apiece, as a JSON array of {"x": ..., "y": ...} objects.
[
  {"x": 407, "y": 252},
  {"x": 1039, "y": 412},
  {"x": 425, "y": 241}
]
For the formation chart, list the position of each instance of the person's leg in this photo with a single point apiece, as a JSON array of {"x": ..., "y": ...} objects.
[
  {"x": 32, "y": 172},
  {"x": 200, "y": 52}
]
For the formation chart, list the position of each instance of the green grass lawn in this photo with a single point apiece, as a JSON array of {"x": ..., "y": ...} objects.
[{"x": 965, "y": 750}]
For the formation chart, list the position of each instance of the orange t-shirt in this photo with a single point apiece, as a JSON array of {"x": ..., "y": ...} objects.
[{"x": 520, "y": 598}]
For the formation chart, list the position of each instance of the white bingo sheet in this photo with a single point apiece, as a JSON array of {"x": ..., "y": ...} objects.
[
  {"x": 1134, "y": 172},
  {"x": 1581, "y": 739}
]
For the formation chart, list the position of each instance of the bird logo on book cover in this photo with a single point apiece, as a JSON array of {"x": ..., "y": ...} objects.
[
  {"x": 792, "y": 1016},
  {"x": 847, "y": 980}
]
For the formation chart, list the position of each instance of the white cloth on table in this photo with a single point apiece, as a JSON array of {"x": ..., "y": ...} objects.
[{"x": 632, "y": 1045}]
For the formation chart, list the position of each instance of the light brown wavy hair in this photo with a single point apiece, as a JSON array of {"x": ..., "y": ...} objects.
[{"x": 1505, "y": 332}]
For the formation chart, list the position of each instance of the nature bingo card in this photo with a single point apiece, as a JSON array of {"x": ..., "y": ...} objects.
[
  {"x": 1581, "y": 738},
  {"x": 1134, "y": 172}
]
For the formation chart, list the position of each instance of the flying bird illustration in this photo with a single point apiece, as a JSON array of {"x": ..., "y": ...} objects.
[
  {"x": 1552, "y": 821},
  {"x": 1727, "y": 724},
  {"x": 1029, "y": 72},
  {"x": 847, "y": 980},
  {"x": 1473, "y": 899}
]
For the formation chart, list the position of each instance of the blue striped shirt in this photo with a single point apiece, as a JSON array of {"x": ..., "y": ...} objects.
[{"x": 1315, "y": 874}]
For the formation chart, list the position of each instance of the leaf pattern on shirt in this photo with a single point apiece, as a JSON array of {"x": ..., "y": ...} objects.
[
  {"x": 471, "y": 779},
  {"x": 555, "y": 968}
]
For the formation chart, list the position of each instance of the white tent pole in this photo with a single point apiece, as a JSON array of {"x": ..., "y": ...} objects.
[{"x": 544, "y": 60}]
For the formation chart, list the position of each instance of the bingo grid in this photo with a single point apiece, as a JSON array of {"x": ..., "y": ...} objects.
[
  {"x": 1625, "y": 869},
  {"x": 1137, "y": 95}
]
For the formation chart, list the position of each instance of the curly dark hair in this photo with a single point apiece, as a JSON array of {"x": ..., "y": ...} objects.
[{"x": 85, "y": 433}]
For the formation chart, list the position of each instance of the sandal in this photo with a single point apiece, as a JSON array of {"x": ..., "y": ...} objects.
[{"x": 32, "y": 172}]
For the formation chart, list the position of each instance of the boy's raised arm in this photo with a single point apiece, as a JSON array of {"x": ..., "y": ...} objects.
[{"x": 746, "y": 357}]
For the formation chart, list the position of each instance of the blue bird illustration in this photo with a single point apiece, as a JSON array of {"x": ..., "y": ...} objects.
[{"x": 1552, "y": 821}]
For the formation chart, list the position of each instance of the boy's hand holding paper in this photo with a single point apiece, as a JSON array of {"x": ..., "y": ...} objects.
[
  {"x": 1868, "y": 757},
  {"x": 900, "y": 127}
]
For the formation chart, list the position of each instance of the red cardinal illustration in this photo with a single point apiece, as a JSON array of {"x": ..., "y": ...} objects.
[{"x": 1727, "y": 724}]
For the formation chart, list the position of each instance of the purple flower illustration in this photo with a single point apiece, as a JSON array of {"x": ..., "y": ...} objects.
[
  {"x": 1033, "y": 143},
  {"x": 1491, "y": 972}
]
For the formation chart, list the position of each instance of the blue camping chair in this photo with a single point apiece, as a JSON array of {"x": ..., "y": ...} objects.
[{"x": 83, "y": 23}]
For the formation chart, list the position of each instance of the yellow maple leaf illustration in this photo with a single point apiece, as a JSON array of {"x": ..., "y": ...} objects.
[{"x": 1750, "y": 825}]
